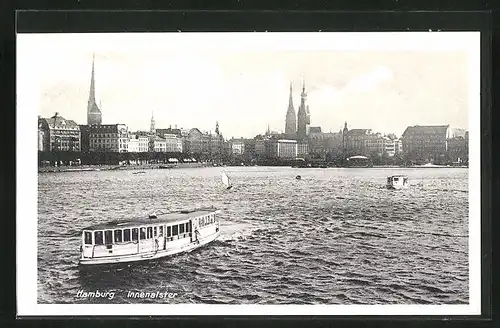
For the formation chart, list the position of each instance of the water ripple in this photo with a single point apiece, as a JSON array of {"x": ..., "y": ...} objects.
[{"x": 334, "y": 237}]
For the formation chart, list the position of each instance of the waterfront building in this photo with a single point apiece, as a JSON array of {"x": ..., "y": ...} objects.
[
  {"x": 302, "y": 149},
  {"x": 160, "y": 144},
  {"x": 458, "y": 148},
  {"x": 426, "y": 144},
  {"x": 302, "y": 115},
  {"x": 291, "y": 121},
  {"x": 389, "y": 146},
  {"x": 58, "y": 134},
  {"x": 173, "y": 144},
  {"x": 138, "y": 142},
  {"x": 237, "y": 146},
  {"x": 40, "y": 135},
  {"x": 85, "y": 138},
  {"x": 262, "y": 146},
  {"x": 133, "y": 144},
  {"x": 356, "y": 141},
  {"x": 323, "y": 143},
  {"x": 108, "y": 138},
  {"x": 375, "y": 144},
  {"x": 196, "y": 142},
  {"x": 283, "y": 148},
  {"x": 216, "y": 143},
  {"x": 94, "y": 114}
]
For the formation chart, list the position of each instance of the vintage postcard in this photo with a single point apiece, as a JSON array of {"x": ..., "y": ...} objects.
[{"x": 248, "y": 173}]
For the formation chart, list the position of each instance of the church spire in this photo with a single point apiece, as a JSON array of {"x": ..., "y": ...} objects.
[
  {"x": 217, "y": 127},
  {"x": 291, "y": 120},
  {"x": 152, "y": 128},
  {"x": 94, "y": 115},
  {"x": 303, "y": 118},
  {"x": 92, "y": 87}
]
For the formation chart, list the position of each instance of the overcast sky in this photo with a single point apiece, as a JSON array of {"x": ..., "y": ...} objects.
[{"x": 382, "y": 81}]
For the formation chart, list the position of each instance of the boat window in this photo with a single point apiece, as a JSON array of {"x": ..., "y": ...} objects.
[
  {"x": 181, "y": 228},
  {"x": 108, "y": 237},
  {"x": 98, "y": 238},
  {"x": 118, "y": 236},
  {"x": 175, "y": 230},
  {"x": 142, "y": 234},
  {"x": 135, "y": 234},
  {"x": 155, "y": 231},
  {"x": 169, "y": 231},
  {"x": 396, "y": 179},
  {"x": 187, "y": 227},
  {"x": 88, "y": 238},
  {"x": 161, "y": 231},
  {"x": 150, "y": 232},
  {"x": 126, "y": 235}
]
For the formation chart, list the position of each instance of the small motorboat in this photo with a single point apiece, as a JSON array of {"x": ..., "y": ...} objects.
[
  {"x": 298, "y": 177},
  {"x": 397, "y": 182}
]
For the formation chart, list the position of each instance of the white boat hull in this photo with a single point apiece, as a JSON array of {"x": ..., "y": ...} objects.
[
  {"x": 397, "y": 186},
  {"x": 151, "y": 254}
]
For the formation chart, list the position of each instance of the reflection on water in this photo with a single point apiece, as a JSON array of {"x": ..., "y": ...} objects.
[{"x": 336, "y": 236}]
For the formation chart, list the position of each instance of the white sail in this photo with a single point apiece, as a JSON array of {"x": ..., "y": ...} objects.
[{"x": 225, "y": 180}]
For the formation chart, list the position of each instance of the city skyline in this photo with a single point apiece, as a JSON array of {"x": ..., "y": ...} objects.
[{"x": 246, "y": 90}]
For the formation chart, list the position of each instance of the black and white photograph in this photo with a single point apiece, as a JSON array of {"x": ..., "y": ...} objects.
[{"x": 318, "y": 173}]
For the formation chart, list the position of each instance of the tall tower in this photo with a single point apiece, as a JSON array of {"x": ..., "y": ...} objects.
[
  {"x": 308, "y": 120},
  {"x": 344, "y": 140},
  {"x": 152, "y": 128},
  {"x": 94, "y": 115},
  {"x": 217, "y": 127},
  {"x": 302, "y": 114},
  {"x": 290, "y": 123}
]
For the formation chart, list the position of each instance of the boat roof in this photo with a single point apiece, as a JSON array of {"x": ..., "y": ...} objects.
[
  {"x": 398, "y": 176},
  {"x": 152, "y": 220}
]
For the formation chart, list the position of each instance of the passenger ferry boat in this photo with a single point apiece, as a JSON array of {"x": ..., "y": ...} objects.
[
  {"x": 149, "y": 238},
  {"x": 397, "y": 182}
]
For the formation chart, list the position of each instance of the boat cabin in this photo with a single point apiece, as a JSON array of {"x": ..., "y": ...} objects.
[
  {"x": 151, "y": 235},
  {"x": 397, "y": 182}
]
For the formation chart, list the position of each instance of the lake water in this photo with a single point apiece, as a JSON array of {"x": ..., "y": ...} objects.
[{"x": 336, "y": 236}]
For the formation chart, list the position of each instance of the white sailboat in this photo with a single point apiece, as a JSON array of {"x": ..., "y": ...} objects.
[{"x": 225, "y": 180}]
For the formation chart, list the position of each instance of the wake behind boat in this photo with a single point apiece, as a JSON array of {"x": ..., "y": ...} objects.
[
  {"x": 225, "y": 181},
  {"x": 149, "y": 238}
]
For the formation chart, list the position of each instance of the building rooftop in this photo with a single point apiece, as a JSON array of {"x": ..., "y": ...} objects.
[
  {"x": 426, "y": 129},
  {"x": 59, "y": 122}
]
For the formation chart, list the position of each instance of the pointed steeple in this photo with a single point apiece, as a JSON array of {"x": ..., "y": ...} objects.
[
  {"x": 152, "y": 128},
  {"x": 94, "y": 115},
  {"x": 302, "y": 115},
  {"x": 92, "y": 87},
  {"x": 291, "y": 120},
  {"x": 216, "y": 127}
]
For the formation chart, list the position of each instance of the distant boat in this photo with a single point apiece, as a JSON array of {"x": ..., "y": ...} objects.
[
  {"x": 298, "y": 177},
  {"x": 225, "y": 180},
  {"x": 397, "y": 182},
  {"x": 138, "y": 172}
]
